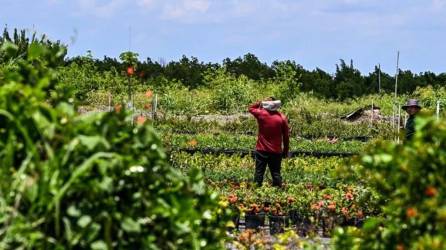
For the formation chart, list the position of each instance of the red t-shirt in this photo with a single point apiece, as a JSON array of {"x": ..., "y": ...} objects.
[{"x": 273, "y": 129}]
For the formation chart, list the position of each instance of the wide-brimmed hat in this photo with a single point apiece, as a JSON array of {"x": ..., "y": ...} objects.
[{"x": 411, "y": 103}]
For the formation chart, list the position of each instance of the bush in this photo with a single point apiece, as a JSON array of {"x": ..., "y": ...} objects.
[
  {"x": 229, "y": 91},
  {"x": 411, "y": 179},
  {"x": 90, "y": 182}
]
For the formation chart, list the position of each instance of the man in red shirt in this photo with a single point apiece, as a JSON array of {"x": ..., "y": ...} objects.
[{"x": 273, "y": 130}]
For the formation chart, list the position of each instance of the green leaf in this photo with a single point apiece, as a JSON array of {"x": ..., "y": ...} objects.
[
  {"x": 9, "y": 48},
  {"x": 44, "y": 125},
  {"x": 367, "y": 159},
  {"x": 106, "y": 184},
  {"x": 35, "y": 50},
  {"x": 32, "y": 190},
  {"x": 99, "y": 245},
  {"x": 371, "y": 224},
  {"x": 84, "y": 221},
  {"x": 384, "y": 158},
  {"x": 67, "y": 229},
  {"x": 66, "y": 108},
  {"x": 131, "y": 226},
  {"x": 92, "y": 142},
  {"x": 73, "y": 211},
  {"x": 183, "y": 227},
  {"x": 81, "y": 170}
]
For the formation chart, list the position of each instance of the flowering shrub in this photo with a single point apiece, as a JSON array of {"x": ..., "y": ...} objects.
[{"x": 411, "y": 180}]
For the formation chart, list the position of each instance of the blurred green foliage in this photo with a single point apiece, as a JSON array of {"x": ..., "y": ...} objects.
[
  {"x": 410, "y": 179},
  {"x": 92, "y": 181}
]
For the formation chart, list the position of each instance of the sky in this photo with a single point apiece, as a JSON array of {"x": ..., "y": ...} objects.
[{"x": 313, "y": 33}]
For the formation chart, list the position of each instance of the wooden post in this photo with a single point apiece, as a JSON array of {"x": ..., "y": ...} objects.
[
  {"x": 399, "y": 123},
  {"x": 395, "y": 111},
  {"x": 133, "y": 107},
  {"x": 154, "y": 106},
  {"x": 129, "y": 92},
  {"x": 379, "y": 78},
  {"x": 393, "y": 121},
  {"x": 109, "y": 102},
  {"x": 130, "y": 97},
  {"x": 397, "y": 73}
]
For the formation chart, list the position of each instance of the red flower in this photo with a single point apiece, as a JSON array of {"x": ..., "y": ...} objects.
[
  {"x": 130, "y": 71},
  {"x": 327, "y": 196},
  {"x": 430, "y": 191},
  {"x": 411, "y": 212},
  {"x": 332, "y": 206},
  {"x": 344, "y": 211},
  {"x": 140, "y": 120},
  {"x": 148, "y": 93},
  {"x": 348, "y": 196},
  {"x": 192, "y": 143},
  {"x": 232, "y": 198},
  {"x": 315, "y": 206}
]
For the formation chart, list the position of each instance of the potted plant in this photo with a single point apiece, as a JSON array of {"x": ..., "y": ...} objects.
[
  {"x": 233, "y": 204},
  {"x": 278, "y": 219},
  {"x": 254, "y": 217}
]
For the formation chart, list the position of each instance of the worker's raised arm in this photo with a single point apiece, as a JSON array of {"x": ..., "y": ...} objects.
[{"x": 254, "y": 109}]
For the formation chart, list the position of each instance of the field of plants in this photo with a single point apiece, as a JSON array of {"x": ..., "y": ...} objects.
[{"x": 86, "y": 163}]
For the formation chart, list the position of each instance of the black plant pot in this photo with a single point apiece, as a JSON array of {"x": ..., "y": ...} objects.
[
  {"x": 353, "y": 222},
  {"x": 328, "y": 224},
  {"x": 277, "y": 224},
  {"x": 359, "y": 222},
  {"x": 350, "y": 222},
  {"x": 304, "y": 227},
  {"x": 295, "y": 217},
  {"x": 254, "y": 221},
  {"x": 236, "y": 220}
]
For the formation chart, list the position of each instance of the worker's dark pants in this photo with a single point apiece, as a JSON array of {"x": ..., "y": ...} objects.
[{"x": 273, "y": 161}]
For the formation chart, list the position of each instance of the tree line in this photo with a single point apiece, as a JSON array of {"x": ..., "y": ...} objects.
[{"x": 346, "y": 82}]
